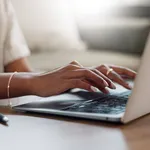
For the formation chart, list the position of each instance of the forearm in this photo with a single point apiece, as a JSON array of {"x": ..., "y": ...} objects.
[
  {"x": 20, "y": 85},
  {"x": 19, "y": 65}
]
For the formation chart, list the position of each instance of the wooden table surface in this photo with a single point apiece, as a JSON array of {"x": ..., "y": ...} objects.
[{"x": 27, "y": 131}]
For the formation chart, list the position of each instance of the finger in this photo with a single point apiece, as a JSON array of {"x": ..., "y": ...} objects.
[
  {"x": 103, "y": 68},
  {"x": 118, "y": 79},
  {"x": 113, "y": 75},
  {"x": 76, "y": 63},
  {"x": 124, "y": 71},
  {"x": 71, "y": 67},
  {"x": 110, "y": 83},
  {"x": 104, "y": 90},
  {"x": 68, "y": 67},
  {"x": 88, "y": 75},
  {"x": 77, "y": 83}
]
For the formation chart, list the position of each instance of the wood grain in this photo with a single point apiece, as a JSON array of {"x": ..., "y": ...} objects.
[{"x": 29, "y": 131}]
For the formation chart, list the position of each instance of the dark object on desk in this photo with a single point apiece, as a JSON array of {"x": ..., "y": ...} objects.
[{"x": 3, "y": 119}]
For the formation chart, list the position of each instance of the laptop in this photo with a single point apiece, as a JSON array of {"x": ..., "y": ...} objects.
[{"x": 119, "y": 106}]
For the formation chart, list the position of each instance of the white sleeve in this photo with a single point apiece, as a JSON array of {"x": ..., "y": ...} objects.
[{"x": 15, "y": 46}]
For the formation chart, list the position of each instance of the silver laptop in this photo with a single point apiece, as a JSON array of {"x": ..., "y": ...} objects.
[{"x": 120, "y": 106}]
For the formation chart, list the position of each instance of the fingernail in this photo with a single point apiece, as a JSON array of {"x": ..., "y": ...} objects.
[
  {"x": 94, "y": 89},
  {"x": 106, "y": 84},
  {"x": 113, "y": 86},
  {"x": 130, "y": 87},
  {"x": 107, "y": 91}
]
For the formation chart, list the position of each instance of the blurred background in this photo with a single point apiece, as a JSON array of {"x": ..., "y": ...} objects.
[{"x": 89, "y": 31}]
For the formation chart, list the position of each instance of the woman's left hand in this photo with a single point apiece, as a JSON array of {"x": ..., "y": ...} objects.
[{"x": 117, "y": 74}]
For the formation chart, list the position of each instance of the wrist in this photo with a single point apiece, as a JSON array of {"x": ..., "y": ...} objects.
[
  {"x": 33, "y": 84},
  {"x": 22, "y": 84}
]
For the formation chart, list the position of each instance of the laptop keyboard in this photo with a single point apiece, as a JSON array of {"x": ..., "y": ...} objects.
[{"x": 105, "y": 104}]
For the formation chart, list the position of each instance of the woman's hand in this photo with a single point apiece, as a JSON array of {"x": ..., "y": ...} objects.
[
  {"x": 68, "y": 77},
  {"x": 71, "y": 76},
  {"x": 118, "y": 74},
  {"x": 75, "y": 75}
]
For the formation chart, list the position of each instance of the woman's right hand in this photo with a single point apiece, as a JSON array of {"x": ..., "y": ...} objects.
[{"x": 69, "y": 77}]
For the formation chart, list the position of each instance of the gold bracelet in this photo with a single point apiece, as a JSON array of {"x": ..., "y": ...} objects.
[{"x": 8, "y": 88}]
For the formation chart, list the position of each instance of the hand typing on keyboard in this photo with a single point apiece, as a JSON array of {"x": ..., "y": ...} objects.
[
  {"x": 74, "y": 75},
  {"x": 114, "y": 73}
]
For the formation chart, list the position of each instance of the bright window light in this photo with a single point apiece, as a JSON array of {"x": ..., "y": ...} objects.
[{"x": 83, "y": 7}]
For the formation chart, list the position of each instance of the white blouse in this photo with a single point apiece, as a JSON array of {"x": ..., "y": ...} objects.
[{"x": 12, "y": 42}]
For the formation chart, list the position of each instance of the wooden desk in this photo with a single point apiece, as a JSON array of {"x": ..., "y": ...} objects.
[{"x": 45, "y": 132}]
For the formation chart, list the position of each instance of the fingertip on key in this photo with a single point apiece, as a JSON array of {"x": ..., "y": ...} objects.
[
  {"x": 106, "y": 84},
  {"x": 113, "y": 86}
]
